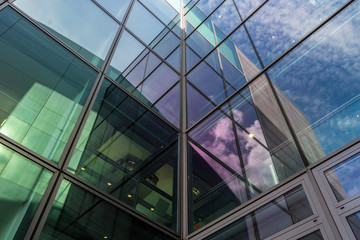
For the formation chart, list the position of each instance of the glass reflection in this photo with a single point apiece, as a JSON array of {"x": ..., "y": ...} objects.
[
  {"x": 116, "y": 9},
  {"x": 313, "y": 236},
  {"x": 23, "y": 184},
  {"x": 354, "y": 222},
  {"x": 325, "y": 109},
  {"x": 43, "y": 87},
  {"x": 249, "y": 137},
  {"x": 284, "y": 211},
  {"x": 279, "y": 24},
  {"x": 74, "y": 23},
  {"x": 78, "y": 214},
  {"x": 344, "y": 178},
  {"x": 122, "y": 142}
]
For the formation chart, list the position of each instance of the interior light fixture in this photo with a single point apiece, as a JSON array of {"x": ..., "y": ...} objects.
[
  {"x": 109, "y": 183},
  {"x": 251, "y": 135}
]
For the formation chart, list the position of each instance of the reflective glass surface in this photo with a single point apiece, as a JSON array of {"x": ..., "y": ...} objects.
[
  {"x": 146, "y": 29},
  {"x": 162, "y": 10},
  {"x": 78, "y": 214},
  {"x": 42, "y": 89},
  {"x": 344, "y": 178},
  {"x": 74, "y": 23},
  {"x": 354, "y": 222},
  {"x": 226, "y": 17},
  {"x": 123, "y": 144},
  {"x": 319, "y": 88},
  {"x": 284, "y": 211},
  {"x": 313, "y": 236},
  {"x": 250, "y": 139},
  {"x": 281, "y": 23},
  {"x": 116, "y": 9},
  {"x": 22, "y": 185}
]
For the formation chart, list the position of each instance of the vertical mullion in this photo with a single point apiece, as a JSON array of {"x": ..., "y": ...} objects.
[{"x": 183, "y": 204}]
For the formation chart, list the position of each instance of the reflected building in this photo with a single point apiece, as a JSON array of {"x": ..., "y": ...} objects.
[{"x": 175, "y": 119}]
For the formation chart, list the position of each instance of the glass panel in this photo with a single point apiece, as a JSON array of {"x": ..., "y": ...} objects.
[
  {"x": 43, "y": 87},
  {"x": 199, "y": 44},
  {"x": 195, "y": 16},
  {"x": 313, "y": 82},
  {"x": 354, "y": 222},
  {"x": 246, "y": 7},
  {"x": 116, "y": 9},
  {"x": 198, "y": 110},
  {"x": 169, "y": 105},
  {"x": 161, "y": 80},
  {"x": 146, "y": 29},
  {"x": 214, "y": 190},
  {"x": 77, "y": 214},
  {"x": 165, "y": 44},
  {"x": 344, "y": 178},
  {"x": 207, "y": 6},
  {"x": 127, "y": 50},
  {"x": 191, "y": 58},
  {"x": 120, "y": 140},
  {"x": 208, "y": 81},
  {"x": 226, "y": 17},
  {"x": 162, "y": 10},
  {"x": 23, "y": 184},
  {"x": 284, "y": 211},
  {"x": 74, "y": 23},
  {"x": 174, "y": 59},
  {"x": 313, "y": 236},
  {"x": 279, "y": 24}
]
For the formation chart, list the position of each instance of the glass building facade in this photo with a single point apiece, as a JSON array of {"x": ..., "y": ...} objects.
[{"x": 179, "y": 119}]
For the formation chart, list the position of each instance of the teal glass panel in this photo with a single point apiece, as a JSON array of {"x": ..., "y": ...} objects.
[
  {"x": 23, "y": 184},
  {"x": 73, "y": 22},
  {"x": 278, "y": 25},
  {"x": 206, "y": 30},
  {"x": 127, "y": 50},
  {"x": 148, "y": 28},
  {"x": 116, "y": 9},
  {"x": 43, "y": 87},
  {"x": 318, "y": 84},
  {"x": 121, "y": 140},
  {"x": 195, "y": 16},
  {"x": 344, "y": 178},
  {"x": 282, "y": 212},
  {"x": 78, "y": 214}
]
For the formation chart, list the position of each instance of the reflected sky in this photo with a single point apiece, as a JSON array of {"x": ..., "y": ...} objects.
[{"x": 320, "y": 78}]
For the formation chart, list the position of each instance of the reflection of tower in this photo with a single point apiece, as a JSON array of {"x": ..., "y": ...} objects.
[{"x": 275, "y": 132}]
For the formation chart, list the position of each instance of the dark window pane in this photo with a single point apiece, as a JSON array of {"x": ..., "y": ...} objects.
[
  {"x": 77, "y": 214},
  {"x": 22, "y": 185},
  {"x": 169, "y": 105},
  {"x": 354, "y": 222},
  {"x": 284, "y": 211},
  {"x": 43, "y": 87},
  {"x": 120, "y": 140},
  {"x": 313, "y": 236}
]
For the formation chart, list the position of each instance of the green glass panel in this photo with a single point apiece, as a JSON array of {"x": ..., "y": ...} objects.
[
  {"x": 123, "y": 141},
  {"x": 78, "y": 214},
  {"x": 74, "y": 23},
  {"x": 22, "y": 185},
  {"x": 43, "y": 87}
]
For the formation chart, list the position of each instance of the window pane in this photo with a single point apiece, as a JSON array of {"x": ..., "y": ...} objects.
[
  {"x": 316, "y": 78},
  {"x": 313, "y": 236},
  {"x": 284, "y": 211},
  {"x": 43, "y": 87},
  {"x": 22, "y": 185},
  {"x": 344, "y": 178},
  {"x": 354, "y": 222},
  {"x": 77, "y": 214},
  {"x": 74, "y": 23},
  {"x": 122, "y": 140},
  {"x": 116, "y": 9}
]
